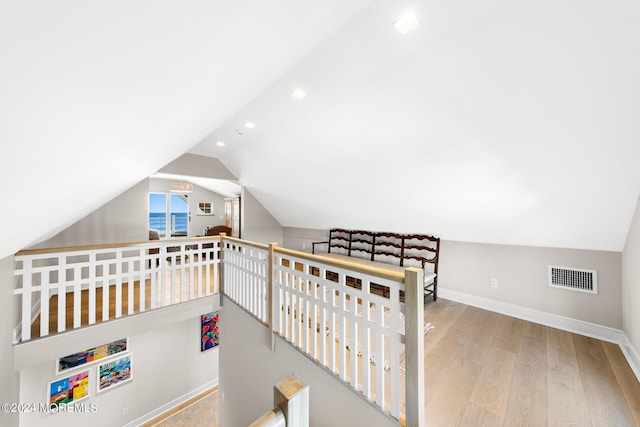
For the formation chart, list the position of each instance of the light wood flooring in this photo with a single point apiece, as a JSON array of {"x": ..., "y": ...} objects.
[
  {"x": 84, "y": 301},
  {"x": 487, "y": 369}
]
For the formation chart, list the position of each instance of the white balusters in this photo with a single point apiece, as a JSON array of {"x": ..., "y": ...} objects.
[
  {"x": 161, "y": 276},
  {"x": 347, "y": 320},
  {"x": 245, "y": 276}
]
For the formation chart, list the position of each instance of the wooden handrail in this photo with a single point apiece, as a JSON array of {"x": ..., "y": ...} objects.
[
  {"x": 172, "y": 242},
  {"x": 378, "y": 272},
  {"x": 246, "y": 242}
]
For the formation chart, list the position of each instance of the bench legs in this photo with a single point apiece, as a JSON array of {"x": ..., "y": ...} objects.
[{"x": 433, "y": 291}]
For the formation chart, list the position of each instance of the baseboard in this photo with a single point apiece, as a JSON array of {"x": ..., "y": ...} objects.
[
  {"x": 568, "y": 324},
  {"x": 631, "y": 355},
  {"x": 170, "y": 405}
]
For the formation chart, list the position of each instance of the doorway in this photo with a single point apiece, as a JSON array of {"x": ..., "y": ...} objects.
[{"x": 169, "y": 214}]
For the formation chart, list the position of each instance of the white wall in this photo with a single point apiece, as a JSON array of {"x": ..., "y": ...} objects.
[
  {"x": 249, "y": 370},
  {"x": 301, "y": 239},
  {"x": 258, "y": 225},
  {"x": 522, "y": 278},
  {"x": 195, "y": 165},
  {"x": 522, "y": 275},
  {"x": 167, "y": 364},
  {"x": 631, "y": 283},
  {"x": 123, "y": 219}
]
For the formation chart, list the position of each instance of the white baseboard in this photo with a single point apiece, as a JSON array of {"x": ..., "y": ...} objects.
[
  {"x": 632, "y": 356},
  {"x": 175, "y": 402},
  {"x": 568, "y": 324}
]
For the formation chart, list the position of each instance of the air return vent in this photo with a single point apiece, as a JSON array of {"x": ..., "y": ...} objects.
[{"x": 574, "y": 279}]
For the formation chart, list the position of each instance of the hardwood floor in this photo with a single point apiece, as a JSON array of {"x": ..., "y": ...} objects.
[
  {"x": 487, "y": 369},
  {"x": 84, "y": 301}
]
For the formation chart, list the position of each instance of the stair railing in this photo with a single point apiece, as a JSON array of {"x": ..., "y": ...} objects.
[{"x": 364, "y": 325}]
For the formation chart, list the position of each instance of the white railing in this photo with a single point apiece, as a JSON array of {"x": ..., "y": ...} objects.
[
  {"x": 353, "y": 332},
  {"x": 350, "y": 319},
  {"x": 245, "y": 276},
  {"x": 93, "y": 279}
]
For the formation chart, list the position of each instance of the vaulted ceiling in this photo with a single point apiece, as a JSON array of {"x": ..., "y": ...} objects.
[{"x": 495, "y": 121}]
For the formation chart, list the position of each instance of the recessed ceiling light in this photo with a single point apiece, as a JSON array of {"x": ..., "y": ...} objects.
[
  {"x": 298, "y": 94},
  {"x": 249, "y": 125},
  {"x": 220, "y": 144},
  {"x": 406, "y": 23}
]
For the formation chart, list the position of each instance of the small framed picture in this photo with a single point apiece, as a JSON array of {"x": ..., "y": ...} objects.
[
  {"x": 205, "y": 208},
  {"x": 91, "y": 355},
  {"x": 209, "y": 337},
  {"x": 114, "y": 373},
  {"x": 72, "y": 388}
]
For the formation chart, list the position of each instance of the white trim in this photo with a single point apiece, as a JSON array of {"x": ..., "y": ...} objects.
[
  {"x": 631, "y": 354},
  {"x": 170, "y": 405},
  {"x": 568, "y": 324}
]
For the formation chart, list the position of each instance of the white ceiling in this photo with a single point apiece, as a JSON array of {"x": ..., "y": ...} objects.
[
  {"x": 493, "y": 121},
  {"x": 512, "y": 122},
  {"x": 96, "y": 96}
]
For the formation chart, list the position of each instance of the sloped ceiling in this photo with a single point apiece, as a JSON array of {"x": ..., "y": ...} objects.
[
  {"x": 493, "y": 121},
  {"x": 514, "y": 122},
  {"x": 97, "y": 95}
]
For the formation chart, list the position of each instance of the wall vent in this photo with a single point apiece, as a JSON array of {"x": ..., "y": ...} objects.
[{"x": 575, "y": 279}]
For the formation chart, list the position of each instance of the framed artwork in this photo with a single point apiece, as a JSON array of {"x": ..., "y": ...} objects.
[
  {"x": 68, "y": 389},
  {"x": 205, "y": 208},
  {"x": 91, "y": 355},
  {"x": 114, "y": 373},
  {"x": 209, "y": 337}
]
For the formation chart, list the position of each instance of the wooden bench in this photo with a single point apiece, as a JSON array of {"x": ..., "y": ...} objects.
[{"x": 391, "y": 251}]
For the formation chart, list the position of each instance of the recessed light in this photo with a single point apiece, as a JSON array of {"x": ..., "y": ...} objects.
[
  {"x": 406, "y": 23},
  {"x": 298, "y": 94},
  {"x": 249, "y": 125},
  {"x": 220, "y": 144}
]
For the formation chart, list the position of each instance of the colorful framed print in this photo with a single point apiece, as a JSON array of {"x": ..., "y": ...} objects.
[
  {"x": 209, "y": 337},
  {"x": 68, "y": 389},
  {"x": 114, "y": 373},
  {"x": 91, "y": 355}
]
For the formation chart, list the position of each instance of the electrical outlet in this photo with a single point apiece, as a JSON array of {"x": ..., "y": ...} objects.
[
  {"x": 304, "y": 246},
  {"x": 125, "y": 411},
  {"x": 493, "y": 282}
]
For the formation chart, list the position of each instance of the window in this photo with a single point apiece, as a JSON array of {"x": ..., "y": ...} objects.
[{"x": 169, "y": 214}]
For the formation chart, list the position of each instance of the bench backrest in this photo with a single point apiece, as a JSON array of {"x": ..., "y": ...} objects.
[{"x": 405, "y": 250}]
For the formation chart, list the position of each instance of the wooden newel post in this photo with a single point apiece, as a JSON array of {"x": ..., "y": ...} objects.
[
  {"x": 291, "y": 395},
  {"x": 271, "y": 271},
  {"x": 414, "y": 346}
]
